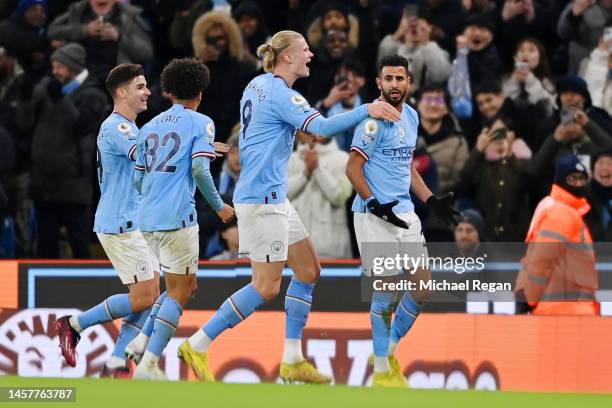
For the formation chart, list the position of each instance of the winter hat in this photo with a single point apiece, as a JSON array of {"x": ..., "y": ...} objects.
[
  {"x": 573, "y": 83},
  {"x": 24, "y": 5},
  {"x": 248, "y": 7},
  {"x": 72, "y": 55},
  {"x": 566, "y": 165},
  {"x": 481, "y": 21},
  {"x": 605, "y": 152},
  {"x": 473, "y": 217}
]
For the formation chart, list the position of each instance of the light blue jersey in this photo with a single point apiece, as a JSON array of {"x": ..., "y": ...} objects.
[
  {"x": 388, "y": 149},
  {"x": 166, "y": 147},
  {"x": 271, "y": 112},
  {"x": 118, "y": 205}
]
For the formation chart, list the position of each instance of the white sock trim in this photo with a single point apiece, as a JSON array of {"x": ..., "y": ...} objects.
[
  {"x": 392, "y": 347},
  {"x": 381, "y": 364},
  {"x": 74, "y": 323},
  {"x": 149, "y": 359},
  {"x": 292, "y": 353},
  {"x": 200, "y": 341}
]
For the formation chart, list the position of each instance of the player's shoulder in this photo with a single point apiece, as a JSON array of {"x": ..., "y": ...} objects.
[
  {"x": 370, "y": 126},
  {"x": 412, "y": 113},
  {"x": 118, "y": 126}
]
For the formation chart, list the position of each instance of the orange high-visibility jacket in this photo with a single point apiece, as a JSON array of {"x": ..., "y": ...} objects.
[{"x": 558, "y": 272}]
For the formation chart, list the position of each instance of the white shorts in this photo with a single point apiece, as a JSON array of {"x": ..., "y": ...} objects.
[
  {"x": 177, "y": 250},
  {"x": 388, "y": 239},
  {"x": 266, "y": 230},
  {"x": 130, "y": 255}
]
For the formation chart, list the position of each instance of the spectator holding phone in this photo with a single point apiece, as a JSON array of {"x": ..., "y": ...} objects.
[
  {"x": 597, "y": 71},
  {"x": 428, "y": 62},
  {"x": 530, "y": 81},
  {"x": 581, "y": 25},
  {"x": 577, "y": 131}
]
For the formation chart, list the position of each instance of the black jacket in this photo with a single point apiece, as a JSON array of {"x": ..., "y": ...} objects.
[{"x": 64, "y": 142}]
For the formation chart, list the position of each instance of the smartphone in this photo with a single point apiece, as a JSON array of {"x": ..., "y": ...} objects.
[
  {"x": 521, "y": 65},
  {"x": 607, "y": 34},
  {"x": 567, "y": 116},
  {"x": 411, "y": 10},
  {"x": 342, "y": 80}
]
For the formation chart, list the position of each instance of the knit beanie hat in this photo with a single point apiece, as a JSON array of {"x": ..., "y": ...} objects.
[{"x": 72, "y": 55}]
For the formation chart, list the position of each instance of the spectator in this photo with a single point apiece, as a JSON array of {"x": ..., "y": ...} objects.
[
  {"x": 181, "y": 28},
  {"x": 599, "y": 218},
  {"x": 552, "y": 269},
  {"x": 336, "y": 49},
  {"x": 492, "y": 104},
  {"x": 596, "y": 71},
  {"x": 25, "y": 35},
  {"x": 495, "y": 174},
  {"x": 7, "y": 163},
  {"x": 447, "y": 18},
  {"x": 63, "y": 150},
  {"x": 229, "y": 240},
  {"x": 318, "y": 189},
  {"x": 218, "y": 43},
  {"x": 15, "y": 90},
  {"x": 469, "y": 232},
  {"x": 530, "y": 80},
  {"x": 428, "y": 62},
  {"x": 581, "y": 25},
  {"x": 573, "y": 93},
  {"x": 344, "y": 96},
  {"x": 231, "y": 166},
  {"x": 477, "y": 40},
  {"x": 361, "y": 38},
  {"x": 442, "y": 135},
  {"x": 112, "y": 33},
  {"x": 252, "y": 24}
]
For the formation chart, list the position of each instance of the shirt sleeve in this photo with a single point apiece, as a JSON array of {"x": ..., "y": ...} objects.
[
  {"x": 366, "y": 137},
  {"x": 140, "y": 159},
  {"x": 203, "y": 142},
  {"x": 293, "y": 108},
  {"x": 124, "y": 140}
]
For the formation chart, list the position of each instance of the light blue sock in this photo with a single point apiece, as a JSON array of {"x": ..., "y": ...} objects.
[
  {"x": 166, "y": 322},
  {"x": 112, "y": 308},
  {"x": 405, "y": 315},
  {"x": 147, "y": 328},
  {"x": 131, "y": 326},
  {"x": 235, "y": 309},
  {"x": 298, "y": 301},
  {"x": 380, "y": 318}
]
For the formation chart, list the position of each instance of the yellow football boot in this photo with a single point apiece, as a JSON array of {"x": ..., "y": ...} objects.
[
  {"x": 302, "y": 372},
  {"x": 197, "y": 361}
]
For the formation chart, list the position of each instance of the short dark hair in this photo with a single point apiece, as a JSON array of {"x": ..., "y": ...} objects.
[
  {"x": 185, "y": 78},
  {"x": 488, "y": 86},
  {"x": 122, "y": 74},
  {"x": 434, "y": 87},
  {"x": 394, "y": 61}
]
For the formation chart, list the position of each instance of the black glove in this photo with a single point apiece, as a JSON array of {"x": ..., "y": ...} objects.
[
  {"x": 54, "y": 89},
  {"x": 385, "y": 212},
  {"x": 442, "y": 207}
]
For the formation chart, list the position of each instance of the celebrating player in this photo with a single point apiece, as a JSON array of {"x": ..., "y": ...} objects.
[
  {"x": 174, "y": 151},
  {"x": 116, "y": 225},
  {"x": 271, "y": 232},
  {"x": 381, "y": 169}
]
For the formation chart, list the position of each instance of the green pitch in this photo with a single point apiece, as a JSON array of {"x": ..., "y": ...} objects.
[{"x": 105, "y": 393}]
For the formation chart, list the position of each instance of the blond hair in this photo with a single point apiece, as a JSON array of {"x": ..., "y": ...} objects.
[{"x": 270, "y": 52}]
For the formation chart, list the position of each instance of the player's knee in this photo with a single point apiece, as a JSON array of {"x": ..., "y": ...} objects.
[
  {"x": 268, "y": 291},
  {"x": 310, "y": 274}
]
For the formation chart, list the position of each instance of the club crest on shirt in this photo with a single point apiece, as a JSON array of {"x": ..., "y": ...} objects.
[
  {"x": 300, "y": 102},
  {"x": 126, "y": 129},
  {"x": 210, "y": 131},
  {"x": 370, "y": 127},
  {"x": 402, "y": 133}
]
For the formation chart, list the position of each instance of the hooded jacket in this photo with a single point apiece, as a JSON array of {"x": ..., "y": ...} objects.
[
  {"x": 559, "y": 263},
  {"x": 229, "y": 75},
  {"x": 320, "y": 200}
]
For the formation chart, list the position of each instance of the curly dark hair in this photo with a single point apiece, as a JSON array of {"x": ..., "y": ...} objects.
[
  {"x": 121, "y": 75},
  {"x": 394, "y": 61},
  {"x": 185, "y": 78}
]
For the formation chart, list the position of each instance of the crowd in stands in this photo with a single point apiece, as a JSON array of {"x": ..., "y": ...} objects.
[{"x": 503, "y": 88}]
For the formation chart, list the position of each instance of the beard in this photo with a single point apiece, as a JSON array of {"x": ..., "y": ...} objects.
[{"x": 394, "y": 100}]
